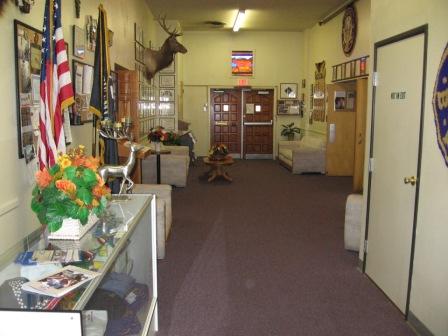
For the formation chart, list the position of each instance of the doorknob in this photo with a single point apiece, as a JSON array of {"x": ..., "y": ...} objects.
[{"x": 411, "y": 179}]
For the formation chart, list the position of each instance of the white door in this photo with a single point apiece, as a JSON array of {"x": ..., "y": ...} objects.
[{"x": 395, "y": 152}]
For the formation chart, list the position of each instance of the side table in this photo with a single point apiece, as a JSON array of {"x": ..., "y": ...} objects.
[
  {"x": 217, "y": 168},
  {"x": 157, "y": 153}
]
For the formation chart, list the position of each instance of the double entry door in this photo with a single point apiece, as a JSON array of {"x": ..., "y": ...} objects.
[{"x": 242, "y": 120}]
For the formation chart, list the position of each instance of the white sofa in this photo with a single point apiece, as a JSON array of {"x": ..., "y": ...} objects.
[
  {"x": 173, "y": 167},
  {"x": 304, "y": 156},
  {"x": 164, "y": 216}
]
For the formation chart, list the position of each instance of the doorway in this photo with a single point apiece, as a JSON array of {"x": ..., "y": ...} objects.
[
  {"x": 242, "y": 119},
  {"x": 395, "y": 153}
]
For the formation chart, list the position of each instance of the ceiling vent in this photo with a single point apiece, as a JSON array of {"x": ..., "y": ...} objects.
[{"x": 214, "y": 24}]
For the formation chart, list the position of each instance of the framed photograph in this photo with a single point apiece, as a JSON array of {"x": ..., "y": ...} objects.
[
  {"x": 79, "y": 42},
  {"x": 242, "y": 63},
  {"x": 339, "y": 100},
  {"x": 138, "y": 33},
  {"x": 139, "y": 52},
  {"x": 35, "y": 56},
  {"x": 91, "y": 27},
  {"x": 27, "y": 45},
  {"x": 82, "y": 86},
  {"x": 167, "y": 109},
  {"x": 35, "y": 89},
  {"x": 166, "y": 95},
  {"x": 288, "y": 90},
  {"x": 170, "y": 69},
  {"x": 288, "y": 107},
  {"x": 167, "y": 123},
  {"x": 167, "y": 81}
]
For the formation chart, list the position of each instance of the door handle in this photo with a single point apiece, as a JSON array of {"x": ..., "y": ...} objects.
[
  {"x": 258, "y": 123},
  {"x": 359, "y": 138},
  {"x": 221, "y": 123},
  {"x": 410, "y": 180}
]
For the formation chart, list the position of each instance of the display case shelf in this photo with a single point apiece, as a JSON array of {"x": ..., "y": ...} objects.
[{"x": 131, "y": 254}]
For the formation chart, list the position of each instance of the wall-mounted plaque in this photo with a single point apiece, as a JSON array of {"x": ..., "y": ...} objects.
[{"x": 349, "y": 29}]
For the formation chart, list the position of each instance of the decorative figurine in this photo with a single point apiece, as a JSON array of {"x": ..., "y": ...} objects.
[{"x": 122, "y": 171}]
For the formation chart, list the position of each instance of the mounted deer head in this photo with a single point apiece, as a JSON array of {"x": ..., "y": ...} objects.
[{"x": 156, "y": 60}]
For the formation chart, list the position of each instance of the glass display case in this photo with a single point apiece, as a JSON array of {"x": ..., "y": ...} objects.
[{"x": 121, "y": 247}]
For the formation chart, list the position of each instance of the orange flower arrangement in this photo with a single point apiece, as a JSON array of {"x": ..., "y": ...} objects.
[{"x": 71, "y": 188}]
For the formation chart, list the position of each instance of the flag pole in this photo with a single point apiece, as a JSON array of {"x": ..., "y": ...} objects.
[
  {"x": 94, "y": 135},
  {"x": 50, "y": 68}
]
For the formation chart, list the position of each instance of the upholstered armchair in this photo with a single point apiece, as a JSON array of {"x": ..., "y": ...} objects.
[{"x": 304, "y": 156}]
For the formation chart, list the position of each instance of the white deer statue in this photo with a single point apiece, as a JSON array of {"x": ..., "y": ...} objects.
[{"x": 122, "y": 171}]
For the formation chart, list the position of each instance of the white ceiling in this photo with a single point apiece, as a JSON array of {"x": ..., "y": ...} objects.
[{"x": 267, "y": 15}]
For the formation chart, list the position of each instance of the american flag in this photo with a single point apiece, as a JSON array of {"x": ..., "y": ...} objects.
[{"x": 56, "y": 91}]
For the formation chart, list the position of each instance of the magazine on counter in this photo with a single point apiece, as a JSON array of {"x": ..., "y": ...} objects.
[
  {"x": 48, "y": 257},
  {"x": 61, "y": 282}
]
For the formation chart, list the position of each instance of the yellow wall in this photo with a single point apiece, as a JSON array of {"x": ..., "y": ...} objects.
[
  {"x": 16, "y": 180},
  {"x": 278, "y": 59},
  {"x": 429, "y": 296},
  {"x": 324, "y": 43}
]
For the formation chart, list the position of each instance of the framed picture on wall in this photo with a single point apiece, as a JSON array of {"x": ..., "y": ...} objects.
[
  {"x": 79, "y": 42},
  {"x": 167, "y": 123},
  {"x": 27, "y": 45},
  {"x": 167, "y": 81},
  {"x": 167, "y": 109},
  {"x": 288, "y": 90},
  {"x": 82, "y": 86},
  {"x": 166, "y": 95},
  {"x": 243, "y": 63}
]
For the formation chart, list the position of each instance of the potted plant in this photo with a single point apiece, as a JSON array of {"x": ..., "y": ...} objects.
[
  {"x": 289, "y": 131},
  {"x": 218, "y": 152},
  {"x": 69, "y": 190},
  {"x": 172, "y": 139},
  {"x": 157, "y": 135}
]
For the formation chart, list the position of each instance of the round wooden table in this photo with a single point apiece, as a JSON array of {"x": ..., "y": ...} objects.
[{"x": 217, "y": 168}]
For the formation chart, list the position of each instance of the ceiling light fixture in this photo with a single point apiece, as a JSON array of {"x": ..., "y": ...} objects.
[{"x": 239, "y": 20}]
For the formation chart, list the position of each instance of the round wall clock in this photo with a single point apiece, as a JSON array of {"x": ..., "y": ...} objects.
[{"x": 349, "y": 28}]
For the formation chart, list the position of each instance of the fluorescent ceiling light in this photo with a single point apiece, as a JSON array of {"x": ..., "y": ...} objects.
[{"x": 239, "y": 20}]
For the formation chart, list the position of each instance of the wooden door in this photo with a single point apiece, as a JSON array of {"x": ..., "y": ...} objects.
[
  {"x": 128, "y": 97},
  {"x": 225, "y": 125},
  {"x": 360, "y": 134},
  {"x": 258, "y": 108},
  {"x": 395, "y": 152},
  {"x": 340, "y": 130}
]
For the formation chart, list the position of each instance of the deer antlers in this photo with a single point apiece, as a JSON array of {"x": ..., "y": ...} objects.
[{"x": 162, "y": 23}]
